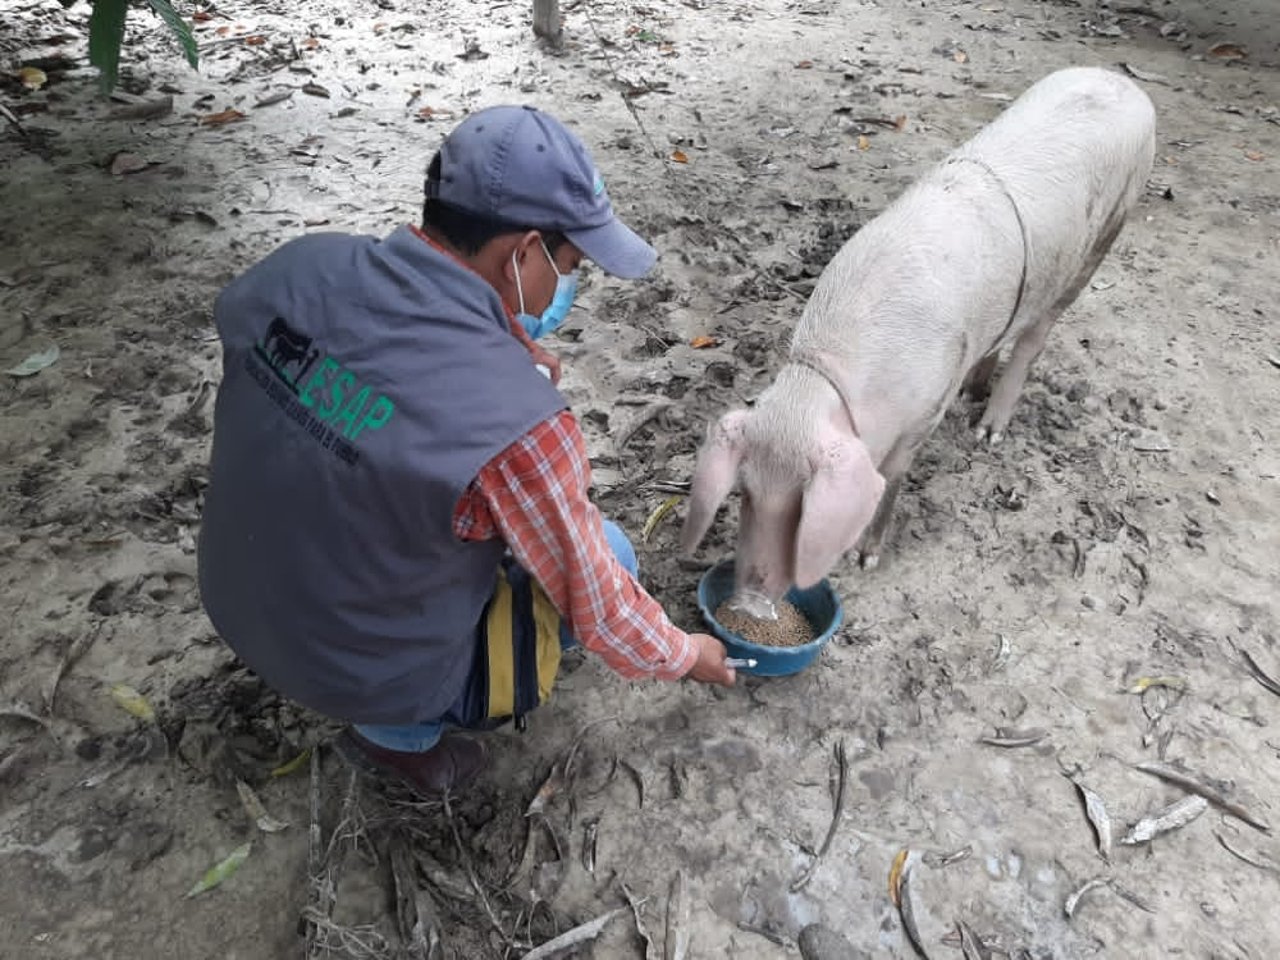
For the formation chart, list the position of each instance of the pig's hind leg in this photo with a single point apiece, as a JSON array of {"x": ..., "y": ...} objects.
[{"x": 1030, "y": 343}]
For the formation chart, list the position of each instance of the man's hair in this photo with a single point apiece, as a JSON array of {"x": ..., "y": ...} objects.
[{"x": 468, "y": 231}]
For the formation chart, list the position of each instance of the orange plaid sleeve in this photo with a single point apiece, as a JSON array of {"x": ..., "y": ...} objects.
[{"x": 534, "y": 496}]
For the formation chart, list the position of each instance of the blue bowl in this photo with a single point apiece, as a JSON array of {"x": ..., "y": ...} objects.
[{"x": 819, "y": 604}]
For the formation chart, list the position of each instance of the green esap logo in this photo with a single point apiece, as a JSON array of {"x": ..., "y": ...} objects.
[
  {"x": 330, "y": 403},
  {"x": 331, "y": 393}
]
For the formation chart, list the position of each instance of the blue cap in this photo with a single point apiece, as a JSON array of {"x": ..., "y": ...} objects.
[{"x": 519, "y": 165}]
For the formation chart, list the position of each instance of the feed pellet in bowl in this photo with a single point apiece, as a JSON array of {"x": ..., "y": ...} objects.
[{"x": 791, "y": 629}]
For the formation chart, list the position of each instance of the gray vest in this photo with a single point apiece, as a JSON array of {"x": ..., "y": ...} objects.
[{"x": 365, "y": 383}]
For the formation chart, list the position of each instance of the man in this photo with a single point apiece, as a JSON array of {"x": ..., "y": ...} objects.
[{"x": 396, "y": 531}]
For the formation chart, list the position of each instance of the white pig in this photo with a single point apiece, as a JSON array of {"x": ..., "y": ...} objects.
[{"x": 984, "y": 251}]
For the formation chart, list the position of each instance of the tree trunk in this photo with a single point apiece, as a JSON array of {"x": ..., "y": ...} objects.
[{"x": 546, "y": 20}]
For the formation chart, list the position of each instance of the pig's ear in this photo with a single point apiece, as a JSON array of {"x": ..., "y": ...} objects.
[
  {"x": 713, "y": 477},
  {"x": 839, "y": 502}
]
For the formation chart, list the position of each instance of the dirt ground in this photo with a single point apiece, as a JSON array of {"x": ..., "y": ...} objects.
[{"x": 1126, "y": 528}]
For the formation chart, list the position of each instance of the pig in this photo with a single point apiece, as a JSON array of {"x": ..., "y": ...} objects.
[{"x": 983, "y": 252}]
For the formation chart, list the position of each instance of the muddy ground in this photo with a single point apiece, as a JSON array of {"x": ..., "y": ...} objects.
[{"x": 1126, "y": 527}]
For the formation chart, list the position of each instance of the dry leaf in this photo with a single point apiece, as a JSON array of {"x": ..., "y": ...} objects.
[
  {"x": 863, "y": 142},
  {"x": 315, "y": 89},
  {"x": 960, "y": 57},
  {"x": 132, "y": 702},
  {"x": 679, "y": 157},
  {"x": 219, "y": 872},
  {"x": 256, "y": 40},
  {"x": 310, "y": 43},
  {"x": 127, "y": 163},
  {"x": 379, "y": 27},
  {"x": 434, "y": 113},
  {"x": 222, "y": 31},
  {"x": 1254, "y": 155},
  {"x": 33, "y": 78},
  {"x": 804, "y": 65},
  {"x": 35, "y": 363},
  {"x": 293, "y": 765},
  {"x": 895, "y": 876},
  {"x": 202, "y": 16},
  {"x": 699, "y": 343},
  {"x": 1228, "y": 51},
  {"x": 900, "y": 123},
  {"x": 655, "y": 518},
  {"x": 229, "y": 115}
]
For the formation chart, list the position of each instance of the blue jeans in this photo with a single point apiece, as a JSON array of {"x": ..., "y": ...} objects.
[{"x": 418, "y": 737}]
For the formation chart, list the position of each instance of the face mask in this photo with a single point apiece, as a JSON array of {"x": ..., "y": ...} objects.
[{"x": 557, "y": 310}]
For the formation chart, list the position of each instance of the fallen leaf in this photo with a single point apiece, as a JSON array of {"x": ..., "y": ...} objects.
[
  {"x": 221, "y": 871},
  {"x": 132, "y": 702},
  {"x": 1254, "y": 155},
  {"x": 256, "y": 40},
  {"x": 895, "y": 876},
  {"x": 269, "y": 99},
  {"x": 679, "y": 157},
  {"x": 434, "y": 113},
  {"x": 310, "y": 43},
  {"x": 900, "y": 123},
  {"x": 655, "y": 518},
  {"x": 1227, "y": 51},
  {"x": 256, "y": 811},
  {"x": 33, "y": 78},
  {"x": 863, "y": 142},
  {"x": 314, "y": 89},
  {"x": 1143, "y": 74},
  {"x": 222, "y": 31},
  {"x": 202, "y": 16},
  {"x": 35, "y": 363},
  {"x": 804, "y": 65},
  {"x": 293, "y": 765},
  {"x": 960, "y": 57},
  {"x": 379, "y": 27},
  {"x": 230, "y": 115},
  {"x": 698, "y": 343},
  {"x": 1143, "y": 684},
  {"x": 125, "y": 163},
  {"x": 315, "y": 222}
]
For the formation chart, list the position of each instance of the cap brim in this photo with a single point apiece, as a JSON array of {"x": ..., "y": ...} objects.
[{"x": 616, "y": 248}]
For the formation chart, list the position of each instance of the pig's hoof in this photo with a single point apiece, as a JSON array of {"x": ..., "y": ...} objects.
[{"x": 988, "y": 434}]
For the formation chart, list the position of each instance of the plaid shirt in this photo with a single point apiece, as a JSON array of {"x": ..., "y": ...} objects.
[{"x": 533, "y": 495}]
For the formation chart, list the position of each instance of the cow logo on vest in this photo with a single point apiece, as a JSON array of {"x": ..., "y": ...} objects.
[{"x": 326, "y": 399}]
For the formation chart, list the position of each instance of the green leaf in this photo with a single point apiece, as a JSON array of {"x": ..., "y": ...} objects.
[
  {"x": 179, "y": 27},
  {"x": 106, "y": 34},
  {"x": 216, "y": 874}
]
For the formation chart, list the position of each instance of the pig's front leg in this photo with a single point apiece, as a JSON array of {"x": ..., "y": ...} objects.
[{"x": 868, "y": 551}]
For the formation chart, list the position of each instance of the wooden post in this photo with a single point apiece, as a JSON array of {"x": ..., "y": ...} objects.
[{"x": 546, "y": 20}]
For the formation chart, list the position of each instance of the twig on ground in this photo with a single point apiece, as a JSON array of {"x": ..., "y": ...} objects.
[
  {"x": 573, "y": 938},
  {"x": 415, "y": 913},
  {"x": 841, "y": 780},
  {"x": 631, "y": 107},
  {"x": 483, "y": 897},
  {"x": 13, "y": 119},
  {"x": 74, "y": 652}
]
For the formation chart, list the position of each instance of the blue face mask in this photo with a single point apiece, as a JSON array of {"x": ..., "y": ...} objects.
[{"x": 557, "y": 310}]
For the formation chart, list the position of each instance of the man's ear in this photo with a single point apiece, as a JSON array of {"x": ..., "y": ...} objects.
[
  {"x": 713, "y": 476},
  {"x": 518, "y": 246},
  {"x": 839, "y": 502}
]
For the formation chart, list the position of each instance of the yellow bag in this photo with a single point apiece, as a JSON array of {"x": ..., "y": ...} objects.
[{"x": 520, "y": 646}]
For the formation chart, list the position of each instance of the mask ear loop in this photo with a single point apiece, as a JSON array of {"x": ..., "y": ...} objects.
[{"x": 519, "y": 290}]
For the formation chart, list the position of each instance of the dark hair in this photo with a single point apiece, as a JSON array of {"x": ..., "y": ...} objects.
[{"x": 468, "y": 231}]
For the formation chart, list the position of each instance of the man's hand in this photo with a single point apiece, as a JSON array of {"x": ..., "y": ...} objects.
[
  {"x": 548, "y": 360},
  {"x": 710, "y": 666}
]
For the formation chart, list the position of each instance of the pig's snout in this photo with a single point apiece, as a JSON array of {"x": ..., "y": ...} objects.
[{"x": 754, "y": 604}]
